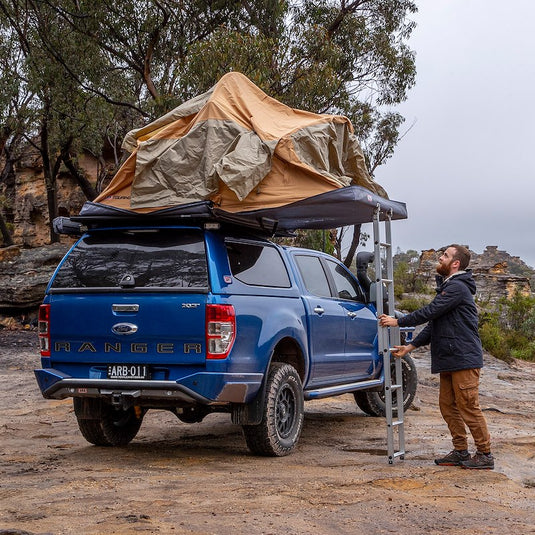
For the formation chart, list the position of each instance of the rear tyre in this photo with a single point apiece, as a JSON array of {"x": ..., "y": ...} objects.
[
  {"x": 374, "y": 403},
  {"x": 107, "y": 425},
  {"x": 278, "y": 433}
]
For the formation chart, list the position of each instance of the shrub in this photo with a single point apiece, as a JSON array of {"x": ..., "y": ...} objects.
[
  {"x": 493, "y": 339},
  {"x": 526, "y": 352},
  {"x": 519, "y": 311},
  {"x": 410, "y": 304},
  {"x": 509, "y": 331}
]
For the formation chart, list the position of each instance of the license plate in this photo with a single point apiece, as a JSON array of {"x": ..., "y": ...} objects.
[{"x": 128, "y": 371}]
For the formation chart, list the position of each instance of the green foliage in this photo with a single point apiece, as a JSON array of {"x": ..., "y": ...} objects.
[
  {"x": 406, "y": 279},
  {"x": 525, "y": 352},
  {"x": 510, "y": 331},
  {"x": 319, "y": 240},
  {"x": 410, "y": 304},
  {"x": 493, "y": 338},
  {"x": 520, "y": 313},
  {"x": 77, "y": 75}
]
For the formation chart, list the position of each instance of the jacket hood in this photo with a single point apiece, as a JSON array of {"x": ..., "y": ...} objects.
[{"x": 465, "y": 277}]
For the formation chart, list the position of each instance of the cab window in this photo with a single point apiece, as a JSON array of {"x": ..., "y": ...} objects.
[
  {"x": 313, "y": 275},
  {"x": 346, "y": 286},
  {"x": 257, "y": 264}
]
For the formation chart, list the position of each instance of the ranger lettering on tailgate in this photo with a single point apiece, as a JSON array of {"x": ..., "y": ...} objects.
[{"x": 118, "y": 347}]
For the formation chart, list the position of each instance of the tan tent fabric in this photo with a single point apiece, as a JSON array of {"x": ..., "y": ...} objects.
[{"x": 240, "y": 148}]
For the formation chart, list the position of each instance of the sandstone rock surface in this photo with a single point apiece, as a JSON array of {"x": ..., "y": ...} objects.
[{"x": 200, "y": 479}]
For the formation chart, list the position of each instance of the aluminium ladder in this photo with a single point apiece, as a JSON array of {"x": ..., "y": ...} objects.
[{"x": 388, "y": 336}]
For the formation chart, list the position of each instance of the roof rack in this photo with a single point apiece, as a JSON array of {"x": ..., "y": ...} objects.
[{"x": 351, "y": 205}]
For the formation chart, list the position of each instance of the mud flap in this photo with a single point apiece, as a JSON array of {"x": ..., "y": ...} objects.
[{"x": 250, "y": 413}]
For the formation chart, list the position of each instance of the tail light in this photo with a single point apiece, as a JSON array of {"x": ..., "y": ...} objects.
[
  {"x": 43, "y": 330},
  {"x": 220, "y": 330}
]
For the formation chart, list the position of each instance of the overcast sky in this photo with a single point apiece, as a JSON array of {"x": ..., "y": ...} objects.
[{"x": 466, "y": 167}]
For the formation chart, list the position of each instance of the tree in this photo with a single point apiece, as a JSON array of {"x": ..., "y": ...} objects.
[
  {"x": 406, "y": 273},
  {"x": 100, "y": 67},
  {"x": 16, "y": 101},
  {"x": 65, "y": 119},
  {"x": 324, "y": 56}
]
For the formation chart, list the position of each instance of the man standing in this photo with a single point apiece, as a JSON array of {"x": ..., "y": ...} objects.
[{"x": 456, "y": 354}]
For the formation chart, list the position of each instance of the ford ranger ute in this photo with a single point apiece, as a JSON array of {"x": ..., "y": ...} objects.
[{"x": 202, "y": 318}]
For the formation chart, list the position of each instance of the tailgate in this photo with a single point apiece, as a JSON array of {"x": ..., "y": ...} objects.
[
  {"x": 130, "y": 296},
  {"x": 167, "y": 329}
]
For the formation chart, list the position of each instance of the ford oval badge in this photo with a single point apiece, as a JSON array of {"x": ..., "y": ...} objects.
[{"x": 124, "y": 328}]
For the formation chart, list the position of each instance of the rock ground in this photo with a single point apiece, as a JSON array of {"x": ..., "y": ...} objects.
[{"x": 201, "y": 479}]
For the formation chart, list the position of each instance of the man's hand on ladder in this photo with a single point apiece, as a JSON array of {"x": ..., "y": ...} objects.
[
  {"x": 397, "y": 351},
  {"x": 387, "y": 321},
  {"x": 401, "y": 351}
]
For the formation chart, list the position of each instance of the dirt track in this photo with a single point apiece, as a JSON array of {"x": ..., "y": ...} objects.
[{"x": 201, "y": 479}]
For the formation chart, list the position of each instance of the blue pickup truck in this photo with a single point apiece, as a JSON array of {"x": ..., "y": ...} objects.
[{"x": 202, "y": 318}]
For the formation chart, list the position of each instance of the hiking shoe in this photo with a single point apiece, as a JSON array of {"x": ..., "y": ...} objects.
[
  {"x": 479, "y": 461},
  {"x": 454, "y": 458}
]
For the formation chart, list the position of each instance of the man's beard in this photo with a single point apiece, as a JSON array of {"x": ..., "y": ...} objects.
[{"x": 444, "y": 269}]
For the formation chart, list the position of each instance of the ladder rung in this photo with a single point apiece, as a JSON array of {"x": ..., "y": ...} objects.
[
  {"x": 387, "y": 280},
  {"x": 385, "y": 244},
  {"x": 395, "y": 387},
  {"x": 395, "y": 423}
]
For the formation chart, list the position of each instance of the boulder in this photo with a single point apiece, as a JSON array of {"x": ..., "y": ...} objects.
[{"x": 24, "y": 275}]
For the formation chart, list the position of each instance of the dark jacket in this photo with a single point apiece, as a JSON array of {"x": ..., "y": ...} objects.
[{"x": 452, "y": 325}]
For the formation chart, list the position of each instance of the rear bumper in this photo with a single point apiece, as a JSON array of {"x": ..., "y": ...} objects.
[{"x": 203, "y": 388}]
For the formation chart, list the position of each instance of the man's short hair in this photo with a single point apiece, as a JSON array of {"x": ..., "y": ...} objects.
[{"x": 462, "y": 254}]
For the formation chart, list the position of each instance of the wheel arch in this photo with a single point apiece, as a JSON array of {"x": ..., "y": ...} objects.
[{"x": 288, "y": 351}]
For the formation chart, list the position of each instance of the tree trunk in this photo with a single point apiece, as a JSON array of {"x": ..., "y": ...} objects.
[
  {"x": 5, "y": 132},
  {"x": 77, "y": 173},
  {"x": 50, "y": 179},
  {"x": 6, "y": 235},
  {"x": 353, "y": 247},
  {"x": 8, "y": 147}
]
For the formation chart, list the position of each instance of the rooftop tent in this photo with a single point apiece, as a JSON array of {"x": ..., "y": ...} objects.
[{"x": 234, "y": 152}]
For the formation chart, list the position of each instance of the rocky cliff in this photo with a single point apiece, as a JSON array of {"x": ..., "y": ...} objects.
[
  {"x": 23, "y": 198},
  {"x": 25, "y": 272},
  {"x": 25, "y": 268},
  {"x": 497, "y": 273}
]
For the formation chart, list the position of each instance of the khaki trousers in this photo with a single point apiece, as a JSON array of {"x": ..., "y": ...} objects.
[{"x": 459, "y": 406}]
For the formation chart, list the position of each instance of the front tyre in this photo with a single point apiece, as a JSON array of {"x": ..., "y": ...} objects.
[
  {"x": 104, "y": 425},
  {"x": 283, "y": 414},
  {"x": 374, "y": 403}
]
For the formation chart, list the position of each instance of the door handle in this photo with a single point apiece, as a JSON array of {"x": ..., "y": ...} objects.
[
  {"x": 352, "y": 314},
  {"x": 318, "y": 310}
]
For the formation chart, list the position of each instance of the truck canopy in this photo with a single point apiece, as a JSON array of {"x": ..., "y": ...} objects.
[{"x": 236, "y": 153}]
